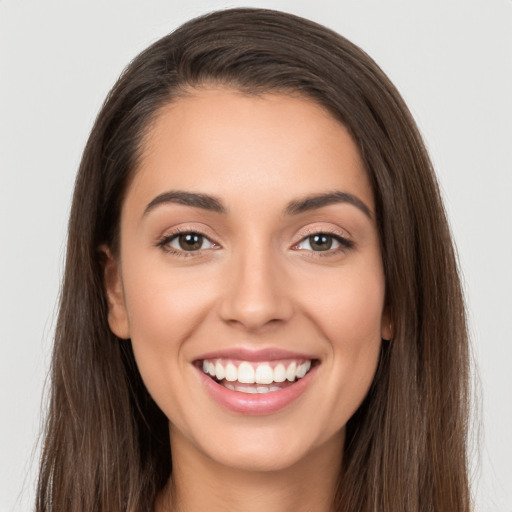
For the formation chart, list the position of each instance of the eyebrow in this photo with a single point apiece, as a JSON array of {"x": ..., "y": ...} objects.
[
  {"x": 316, "y": 201},
  {"x": 194, "y": 199},
  {"x": 211, "y": 203}
]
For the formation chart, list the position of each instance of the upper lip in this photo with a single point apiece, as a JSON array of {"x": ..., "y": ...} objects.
[{"x": 244, "y": 354}]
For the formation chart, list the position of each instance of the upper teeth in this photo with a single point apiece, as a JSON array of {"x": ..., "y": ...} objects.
[{"x": 256, "y": 373}]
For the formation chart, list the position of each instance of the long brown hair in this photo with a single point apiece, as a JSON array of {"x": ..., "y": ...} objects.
[{"x": 107, "y": 445}]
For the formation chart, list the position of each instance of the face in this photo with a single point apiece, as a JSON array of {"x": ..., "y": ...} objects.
[{"x": 250, "y": 278}]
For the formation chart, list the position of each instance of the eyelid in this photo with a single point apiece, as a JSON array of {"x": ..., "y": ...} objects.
[
  {"x": 187, "y": 227},
  {"x": 327, "y": 229},
  {"x": 170, "y": 234},
  {"x": 177, "y": 238},
  {"x": 338, "y": 234}
]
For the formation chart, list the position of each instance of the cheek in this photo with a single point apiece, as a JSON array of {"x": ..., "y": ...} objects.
[
  {"x": 348, "y": 312},
  {"x": 349, "y": 307},
  {"x": 164, "y": 310},
  {"x": 164, "y": 305}
]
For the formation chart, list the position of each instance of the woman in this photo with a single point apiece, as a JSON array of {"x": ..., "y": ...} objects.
[{"x": 261, "y": 307}]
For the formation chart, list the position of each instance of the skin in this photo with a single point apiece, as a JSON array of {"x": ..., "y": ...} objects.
[{"x": 255, "y": 283}]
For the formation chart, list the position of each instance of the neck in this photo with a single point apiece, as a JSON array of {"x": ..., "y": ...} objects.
[{"x": 200, "y": 483}]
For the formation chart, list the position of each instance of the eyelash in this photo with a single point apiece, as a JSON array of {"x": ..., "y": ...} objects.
[
  {"x": 167, "y": 239},
  {"x": 344, "y": 243}
]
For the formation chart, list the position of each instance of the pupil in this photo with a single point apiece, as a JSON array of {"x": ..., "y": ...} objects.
[
  {"x": 191, "y": 241},
  {"x": 321, "y": 242}
]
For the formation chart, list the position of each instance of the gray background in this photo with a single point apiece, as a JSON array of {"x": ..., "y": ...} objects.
[{"x": 452, "y": 61}]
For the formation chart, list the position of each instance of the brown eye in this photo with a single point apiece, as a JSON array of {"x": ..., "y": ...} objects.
[
  {"x": 320, "y": 242},
  {"x": 190, "y": 241},
  {"x": 324, "y": 242},
  {"x": 186, "y": 243}
]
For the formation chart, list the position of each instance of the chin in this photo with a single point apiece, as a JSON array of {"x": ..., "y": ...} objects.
[
  {"x": 267, "y": 448},
  {"x": 257, "y": 460}
]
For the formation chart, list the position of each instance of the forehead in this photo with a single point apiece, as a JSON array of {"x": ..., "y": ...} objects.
[{"x": 248, "y": 147}]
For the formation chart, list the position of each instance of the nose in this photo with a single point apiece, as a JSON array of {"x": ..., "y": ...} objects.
[{"x": 256, "y": 294}]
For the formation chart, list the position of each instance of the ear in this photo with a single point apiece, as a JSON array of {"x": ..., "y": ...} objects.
[
  {"x": 386, "y": 326},
  {"x": 117, "y": 314}
]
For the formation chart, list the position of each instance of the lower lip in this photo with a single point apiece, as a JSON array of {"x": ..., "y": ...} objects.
[{"x": 258, "y": 403}]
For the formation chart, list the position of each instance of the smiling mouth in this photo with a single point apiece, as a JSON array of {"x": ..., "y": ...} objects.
[{"x": 256, "y": 377}]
